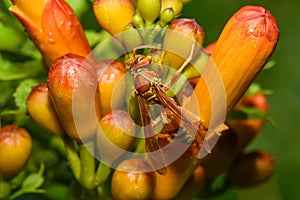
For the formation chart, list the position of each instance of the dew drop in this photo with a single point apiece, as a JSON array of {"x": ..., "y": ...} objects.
[
  {"x": 51, "y": 41},
  {"x": 69, "y": 23}
]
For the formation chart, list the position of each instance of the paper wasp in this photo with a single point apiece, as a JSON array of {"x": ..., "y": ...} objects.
[{"x": 149, "y": 89}]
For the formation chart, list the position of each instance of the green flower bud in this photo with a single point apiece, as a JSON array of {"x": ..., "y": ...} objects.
[
  {"x": 149, "y": 9},
  {"x": 176, "y": 5},
  {"x": 166, "y": 16},
  {"x": 137, "y": 20}
]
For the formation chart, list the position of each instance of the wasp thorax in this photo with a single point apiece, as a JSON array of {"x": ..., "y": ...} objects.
[{"x": 144, "y": 82}]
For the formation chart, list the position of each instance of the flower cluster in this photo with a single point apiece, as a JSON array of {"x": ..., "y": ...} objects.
[{"x": 242, "y": 50}]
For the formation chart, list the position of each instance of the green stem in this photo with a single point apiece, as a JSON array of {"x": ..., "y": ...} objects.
[
  {"x": 5, "y": 189},
  {"x": 177, "y": 86},
  {"x": 72, "y": 157},
  {"x": 101, "y": 175},
  {"x": 87, "y": 165}
]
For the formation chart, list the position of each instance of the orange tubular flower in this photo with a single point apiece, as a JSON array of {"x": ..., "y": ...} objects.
[
  {"x": 53, "y": 27},
  {"x": 243, "y": 48},
  {"x": 113, "y": 15}
]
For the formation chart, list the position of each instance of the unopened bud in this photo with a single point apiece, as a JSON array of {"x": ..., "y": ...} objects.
[
  {"x": 176, "y": 6},
  {"x": 111, "y": 84},
  {"x": 186, "y": 32},
  {"x": 166, "y": 16},
  {"x": 15, "y": 149},
  {"x": 251, "y": 169},
  {"x": 72, "y": 86},
  {"x": 132, "y": 181},
  {"x": 113, "y": 15},
  {"x": 243, "y": 48},
  {"x": 149, "y": 10},
  {"x": 40, "y": 108},
  {"x": 222, "y": 155},
  {"x": 118, "y": 128}
]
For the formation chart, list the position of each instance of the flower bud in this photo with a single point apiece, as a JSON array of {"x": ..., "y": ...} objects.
[
  {"x": 176, "y": 5},
  {"x": 222, "y": 155},
  {"x": 137, "y": 20},
  {"x": 166, "y": 16},
  {"x": 41, "y": 109},
  {"x": 113, "y": 15},
  {"x": 243, "y": 48},
  {"x": 111, "y": 84},
  {"x": 184, "y": 31},
  {"x": 247, "y": 129},
  {"x": 130, "y": 181},
  {"x": 251, "y": 169},
  {"x": 177, "y": 174},
  {"x": 15, "y": 150},
  {"x": 117, "y": 127},
  {"x": 194, "y": 185},
  {"x": 53, "y": 26},
  {"x": 149, "y": 9},
  {"x": 72, "y": 86}
]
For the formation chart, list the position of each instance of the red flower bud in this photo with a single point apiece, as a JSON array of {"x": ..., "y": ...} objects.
[
  {"x": 53, "y": 27},
  {"x": 72, "y": 86}
]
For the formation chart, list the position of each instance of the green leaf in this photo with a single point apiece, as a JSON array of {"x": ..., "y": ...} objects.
[
  {"x": 247, "y": 113},
  {"x": 35, "y": 180},
  {"x": 270, "y": 64},
  {"x": 255, "y": 88},
  {"x": 18, "y": 70},
  {"x": 7, "y": 90},
  {"x": 23, "y": 91}
]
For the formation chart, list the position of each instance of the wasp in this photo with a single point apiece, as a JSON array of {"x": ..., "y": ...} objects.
[{"x": 150, "y": 89}]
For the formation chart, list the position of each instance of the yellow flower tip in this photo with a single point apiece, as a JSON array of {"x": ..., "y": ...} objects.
[
  {"x": 31, "y": 8},
  {"x": 113, "y": 15}
]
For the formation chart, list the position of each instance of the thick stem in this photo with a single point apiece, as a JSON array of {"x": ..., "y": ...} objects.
[
  {"x": 5, "y": 189},
  {"x": 72, "y": 157},
  {"x": 87, "y": 165}
]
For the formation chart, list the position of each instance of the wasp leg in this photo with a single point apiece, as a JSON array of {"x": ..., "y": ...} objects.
[{"x": 186, "y": 62}]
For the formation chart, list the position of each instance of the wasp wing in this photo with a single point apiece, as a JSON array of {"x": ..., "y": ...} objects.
[
  {"x": 180, "y": 115},
  {"x": 153, "y": 148}
]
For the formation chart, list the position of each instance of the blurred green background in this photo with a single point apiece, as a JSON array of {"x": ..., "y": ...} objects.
[{"x": 283, "y": 139}]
